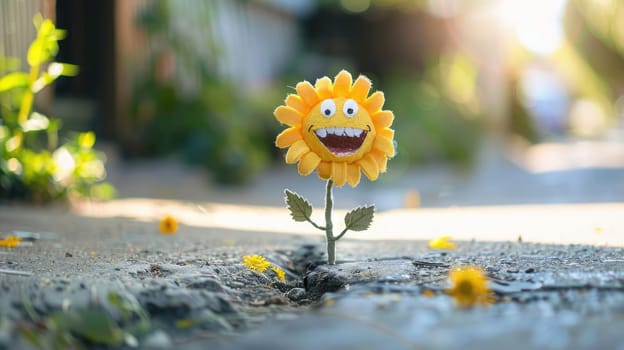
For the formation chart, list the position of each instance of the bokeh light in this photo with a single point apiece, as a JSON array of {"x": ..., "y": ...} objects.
[{"x": 536, "y": 24}]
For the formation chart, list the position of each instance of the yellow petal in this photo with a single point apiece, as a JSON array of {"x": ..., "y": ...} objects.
[
  {"x": 324, "y": 88},
  {"x": 381, "y": 159},
  {"x": 307, "y": 93},
  {"x": 287, "y": 115},
  {"x": 384, "y": 142},
  {"x": 342, "y": 84},
  {"x": 443, "y": 242},
  {"x": 308, "y": 163},
  {"x": 375, "y": 102},
  {"x": 295, "y": 102},
  {"x": 339, "y": 173},
  {"x": 324, "y": 170},
  {"x": 296, "y": 151},
  {"x": 383, "y": 119},
  {"x": 385, "y": 132},
  {"x": 353, "y": 174},
  {"x": 369, "y": 167},
  {"x": 287, "y": 137},
  {"x": 360, "y": 88}
]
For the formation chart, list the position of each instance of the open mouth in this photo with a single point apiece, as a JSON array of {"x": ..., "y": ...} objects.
[{"x": 341, "y": 142}]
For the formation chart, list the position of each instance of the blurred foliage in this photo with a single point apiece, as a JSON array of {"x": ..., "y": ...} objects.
[
  {"x": 594, "y": 54},
  {"x": 438, "y": 115},
  {"x": 88, "y": 326},
  {"x": 214, "y": 124},
  {"x": 595, "y": 28},
  {"x": 429, "y": 84},
  {"x": 32, "y": 165}
]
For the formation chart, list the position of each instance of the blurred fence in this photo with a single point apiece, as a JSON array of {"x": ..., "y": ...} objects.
[{"x": 16, "y": 28}]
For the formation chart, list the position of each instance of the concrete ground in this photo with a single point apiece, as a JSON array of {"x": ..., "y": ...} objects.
[{"x": 567, "y": 217}]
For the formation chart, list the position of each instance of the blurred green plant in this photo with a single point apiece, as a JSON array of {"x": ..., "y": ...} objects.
[
  {"x": 213, "y": 124},
  {"x": 87, "y": 326},
  {"x": 32, "y": 164},
  {"x": 438, "y": 115}
]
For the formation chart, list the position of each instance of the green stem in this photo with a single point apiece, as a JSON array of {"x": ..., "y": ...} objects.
[
  {"x": 29, "y": 96},
  {"x": 26, "y": 105},
  {"x": 341, "y": 234},
  {"x": 329, "y": 227},
  {"x": 316, "y": 225}
]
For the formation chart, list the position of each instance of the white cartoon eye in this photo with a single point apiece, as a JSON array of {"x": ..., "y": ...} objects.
[
  {"x": 328, "y": 108},
  {"x": 350, "y": 108}
]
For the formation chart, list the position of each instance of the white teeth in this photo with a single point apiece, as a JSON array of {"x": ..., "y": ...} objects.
[
  {"x": 343, "y": 154},
  {"x": 350, "y": 132}
]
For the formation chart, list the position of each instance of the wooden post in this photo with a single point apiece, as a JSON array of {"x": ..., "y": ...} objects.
[{"x": 130, "y": 47}]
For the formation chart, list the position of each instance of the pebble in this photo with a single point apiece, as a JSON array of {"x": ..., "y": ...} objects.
[
  {"x": 296, "y": 294},
  {"x": 157, "y": 340}
]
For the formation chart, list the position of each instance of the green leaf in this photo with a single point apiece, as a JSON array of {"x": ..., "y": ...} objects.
[
  {"x": 54, "y": 71},
  {"x": 300, "y": 208},
  {"x": 13, "y": 80},
  {"x": 103, "y": 191},
  {"x": 94, "y": 325},
  {"x": 37, "y": 53},
  {"x": 359, "y": 219},
  {"x": 86, "y": 139},
  {"x": 37, "y": 20}
]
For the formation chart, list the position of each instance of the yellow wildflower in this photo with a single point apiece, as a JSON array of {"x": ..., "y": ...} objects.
[
  {"x": 10, "y": 241},
  {"x": 469, "y": 286},
  {"x": 256, "y": 263},
  {"x": 281, "y": 275},
  {"x": 442, "y": 243},
  {"x": 168, "y": 225}
]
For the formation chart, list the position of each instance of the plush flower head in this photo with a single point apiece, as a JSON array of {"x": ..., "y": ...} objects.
[{"x": 337, "y": 129}]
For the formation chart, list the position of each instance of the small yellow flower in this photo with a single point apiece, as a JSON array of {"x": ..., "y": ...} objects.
[
  {"x": 281, "y": 275},
  {"x": 10, "y": 241},
  {"x": 469, "y": 286},
  {"x": 442, "y": 243},
  {"x": 168, "y": 225},
  {"x": 256, "y": 263}
]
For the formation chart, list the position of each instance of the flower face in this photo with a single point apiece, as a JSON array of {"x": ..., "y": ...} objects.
[{"x": 336, "y": 129}]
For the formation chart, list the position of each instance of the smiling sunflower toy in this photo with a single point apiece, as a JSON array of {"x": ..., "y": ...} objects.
[{"x": 340, "y": 131}]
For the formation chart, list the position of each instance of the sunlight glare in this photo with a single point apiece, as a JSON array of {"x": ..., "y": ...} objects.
[{"x": 536, "y": 24}]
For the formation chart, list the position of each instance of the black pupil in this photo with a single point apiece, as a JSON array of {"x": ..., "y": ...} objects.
[
  {"x": 327, "y": 111},
  {"x": 349, "y": 110}
]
